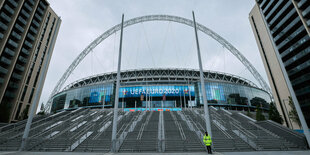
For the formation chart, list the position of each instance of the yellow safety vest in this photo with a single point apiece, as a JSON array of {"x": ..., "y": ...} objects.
[{"x": 207, "y": 140}]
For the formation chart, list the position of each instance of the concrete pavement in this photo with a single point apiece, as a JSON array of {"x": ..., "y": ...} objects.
[{"x": 187, "y": 153}]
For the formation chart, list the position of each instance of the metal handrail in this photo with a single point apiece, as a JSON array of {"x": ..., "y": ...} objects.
[
  {"x": 284, "y": 129},
  {"x": 239, "y": 126},
  {"x": 223, "y": 131}
]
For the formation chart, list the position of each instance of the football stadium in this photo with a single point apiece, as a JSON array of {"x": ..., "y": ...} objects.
[
  {"x": 157, "y": 110},
  {"x": 161, "y": 89}
]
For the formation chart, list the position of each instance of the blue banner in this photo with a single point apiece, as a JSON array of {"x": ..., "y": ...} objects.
[{"x": 156, "y": 91}]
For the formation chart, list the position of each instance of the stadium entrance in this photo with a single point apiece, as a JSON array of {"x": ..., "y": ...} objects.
[{"x": 157, "y": 98}]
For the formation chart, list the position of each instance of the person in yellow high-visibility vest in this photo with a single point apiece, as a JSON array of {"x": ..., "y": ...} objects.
[{"x": 207, "y": 141}]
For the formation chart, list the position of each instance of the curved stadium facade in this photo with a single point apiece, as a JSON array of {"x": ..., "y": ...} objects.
[{"x": 161, "y": 89}]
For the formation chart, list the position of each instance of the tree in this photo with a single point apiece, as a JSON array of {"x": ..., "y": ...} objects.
[
  {"x": 24, "y": 114},
  {"x": 259, "y": 114},
  {"x": 42, "y": 110},
  {"x": 248, "y": 113},
  {"x": 293, "y": 113},
  {"x": 274, "y": 114},
  {"x": 42, "y": 107}
]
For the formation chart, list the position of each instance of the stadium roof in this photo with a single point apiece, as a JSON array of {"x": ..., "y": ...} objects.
[{"x": 161, "y": 74}]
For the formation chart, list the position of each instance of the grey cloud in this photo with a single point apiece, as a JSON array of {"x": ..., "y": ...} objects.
[{"x": 170, "y": 44}]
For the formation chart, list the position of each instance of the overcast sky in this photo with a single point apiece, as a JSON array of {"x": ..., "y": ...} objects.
[{"x": 151, "y": 44}]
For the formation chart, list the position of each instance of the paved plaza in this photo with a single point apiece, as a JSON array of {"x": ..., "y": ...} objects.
[{"x": 189, "y": 153}]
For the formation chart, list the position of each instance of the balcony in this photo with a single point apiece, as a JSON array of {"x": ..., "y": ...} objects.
[
  {"x": 5, "y": 60},
  {"x": 306, "y": 12},
  {"x": 5, "y": 17},
  {"x": 22, "y": 20},
  {"x": 299, "y": 68},
  {"x": 36, "y": 23},
  {"x": 28, "y": 7},
  {"x": 31, "y": 2},
  {"x": 3, "y": 26},
  {"x": 16, "y": 76},
  {"x": 272, "y": 12},
  {"x": 13, "y": 43},
  {"x": 30, "y": 36},
  {"x": 22, "y": 59},
  {"x": 295, "y": 58},
  {"x": 42, "y": 5},
  {"x": 292, "y": 36},
  {"x": 21, "y": 29},
  {"x": 290, "y": 26},
  {"x": 13, "y": 3},
  {"x": 33, "y": 30},
  {"x": 9, "y": 52},
  {"x": 301, "y": 4},
  {"x": 9, "y": 94},
  {"x": 38, "y": 17},
  {"x": 13, "y": 85},
  {"x": 19, "y": 67},
  {"x": 26, "y": 52},
  {"x": 279, "y": 13},
  {"x": 3, "y": 70},
  {"x": 16, "y": 35},
  {"x": 28, "y": 44},
  {"x": 295, "y": 46},
  {"x": 10, "y": 10},
  {"x": 280, "y": 25},
  {"x": 40, "y": 11},
  {"x": 25, "y": 13}
]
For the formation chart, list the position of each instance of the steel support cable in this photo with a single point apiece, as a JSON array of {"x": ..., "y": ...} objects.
[
  {"x": 224, "y": 59},
  {"x": 190, "y": 50},
  {"x": 98, "y": 60},
  {"x": 212, "y": 61},
  {"x": 175, "y": 47},
  {"x": 114, "y": 51},
  {"x": 217, "y": 64},
  {"x": 147, "y": 43},
  {"x": 165, "y": 39},
  {"x": 177, "y": 19},
  {"x": 138, "y": 49},
  {"x": 242, "y": 71},
  {"x": 91, "y": 62},
  {"x": 204, "y": 58}
]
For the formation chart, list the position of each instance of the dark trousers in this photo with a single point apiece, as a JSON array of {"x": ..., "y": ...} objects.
[{"x": 209, "y": 150}]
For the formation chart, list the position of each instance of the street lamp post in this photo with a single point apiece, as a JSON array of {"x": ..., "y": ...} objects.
[
  {"x": 114, "y": 127},
  {"x": 203, "y": 89}
]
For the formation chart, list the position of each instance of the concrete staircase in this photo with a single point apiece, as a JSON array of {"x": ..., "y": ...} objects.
[
  {"x": 286, "y": 133},
  {"x": 90, "y": 130}
]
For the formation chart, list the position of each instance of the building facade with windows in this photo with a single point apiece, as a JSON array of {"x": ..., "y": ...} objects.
[
  {"x": 282, "y": 32},
  {"x": 161, "y": 89},
  {"x": 28, "y": 31}
]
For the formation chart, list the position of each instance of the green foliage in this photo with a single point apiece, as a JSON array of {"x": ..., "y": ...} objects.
[
  {"x": 41, "y": 113},
  {"x": 259, "y": 114},
  {"x": 42, "y": 110},
  {"x": 274, "y": 114},
  {"x": 293, "y": 113},
  {"x": 249, "y": 114},
  {"x": 24, "y": 114}
]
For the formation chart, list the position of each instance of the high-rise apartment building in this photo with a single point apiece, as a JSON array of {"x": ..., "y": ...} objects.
[
  {"x": 283, "y": 28},
  {"x": 28, "y": 30}
]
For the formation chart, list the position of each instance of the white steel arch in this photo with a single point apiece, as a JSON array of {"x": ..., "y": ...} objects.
[{"x": 147, "y": 18}]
